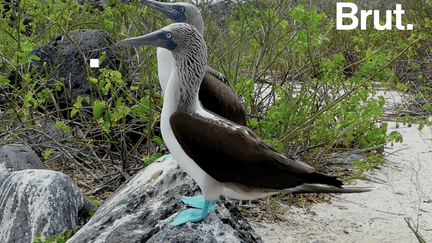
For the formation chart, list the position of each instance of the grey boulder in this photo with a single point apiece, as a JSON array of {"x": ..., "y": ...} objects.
[
  {"x": 64, "y": 60},
  {"x": 142, "y": 211},
  {"x": 15, "y": 157},
  {"x": 36, "y": 200}
]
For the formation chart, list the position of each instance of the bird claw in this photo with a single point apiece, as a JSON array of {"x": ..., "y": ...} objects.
[
  {"x": 194, "y": 215},
  {"x": 199, "y": 202},
  {"x": 163, "y": 158},
  {"x": 190, "y": 215}
]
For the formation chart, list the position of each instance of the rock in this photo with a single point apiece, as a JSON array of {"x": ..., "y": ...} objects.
[
  {"x": 98, "y": 4},
  {"x": 15, "y": 157},
  {"x": 341, "y": 162},
  {"x": 54, "y": 133},
  {"x": 4, "y": 118},
  {"x": 348, "y": 159},
  {"x": 34, "y": 200},
  {"x": 63, "y": 59},
  {"x": 42, "y": 137},
  {"x": 39, "y": 201},
  {"x": 142, "y": 211}
]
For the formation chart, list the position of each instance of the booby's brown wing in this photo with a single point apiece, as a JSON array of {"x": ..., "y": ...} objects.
[
  {"x": 232, "y": 153},
  {"x": 218, "y": 96},
  {"x": 219, "y": 76}
]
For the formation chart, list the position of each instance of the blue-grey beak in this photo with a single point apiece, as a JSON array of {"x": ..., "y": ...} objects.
[
  {"x": 159, "y": 38},
  {"x": 171, "y": 11}
]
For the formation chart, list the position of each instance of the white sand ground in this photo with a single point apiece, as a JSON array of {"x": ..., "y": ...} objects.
[{"x": 402, "y": 189}]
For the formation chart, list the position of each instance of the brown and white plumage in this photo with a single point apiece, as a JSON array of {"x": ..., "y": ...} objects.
[
  {"x": 224, "y": 158},
  {"x": 216, "y": 93}
]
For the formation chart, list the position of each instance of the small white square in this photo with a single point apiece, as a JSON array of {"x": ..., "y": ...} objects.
[{"x": 94, "y": 63}]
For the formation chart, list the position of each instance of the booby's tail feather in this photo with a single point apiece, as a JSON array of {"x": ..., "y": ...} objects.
[{"x": 320, "y": 188}]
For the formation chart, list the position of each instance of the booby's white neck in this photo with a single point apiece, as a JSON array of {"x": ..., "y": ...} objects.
[
  {"x": 173, "y": 100},
  {"x": 166, "y": 60},
  {"x": 165, "y": 66},
  {"x": 181, "y": 90},
  {"x": 172, "y": 103},
  {"x": 186, "y": 76}
]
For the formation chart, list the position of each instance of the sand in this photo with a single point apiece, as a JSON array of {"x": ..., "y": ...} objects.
[{"x": 402, "y": 190}]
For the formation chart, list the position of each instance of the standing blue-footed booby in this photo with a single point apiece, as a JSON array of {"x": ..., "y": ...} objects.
[
  {"x": 224, "y": 158},
  {"x": 216, "y": 93}
]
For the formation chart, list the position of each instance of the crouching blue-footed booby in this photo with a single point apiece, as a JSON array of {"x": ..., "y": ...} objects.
[
  {"x": 216, "y": 94},
  {"x": 224, "y": 158}
]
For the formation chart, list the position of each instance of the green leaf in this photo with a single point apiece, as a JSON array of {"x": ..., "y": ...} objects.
[
  {"x": 61, "y": 125},
  {"x": 78, "y": 103},
  {"x": 37, "y": 238},
  {"x": 421, "y": 125},
  {"x": 47, "y": 154},
  {"x": 73, "y": 112},
  {"x": 356, "y": 164},
  {"x": 59, "y": 84},
  {"x": 339, "y": 58},
  {"x": 148, "y": 160},
  {"x": 93, "y": 80},
  {"x": 106, "y": 127},
  {"x": 92, "y": 200},
  {"x": 34, "y": 58},
  {"x": 102, "y": 58},
  {"x": 29, "y": 101},
  {"x": 4, "y": 81},
  {"x": 158, "y": 140},
  {"x": 97, "y": 109},
  {"x": 116, "y": 74}
]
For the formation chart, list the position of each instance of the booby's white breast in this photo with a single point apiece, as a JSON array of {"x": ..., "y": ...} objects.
[
  {"x": 165, "y": 66},
  {"x": 211, "y": 188}
]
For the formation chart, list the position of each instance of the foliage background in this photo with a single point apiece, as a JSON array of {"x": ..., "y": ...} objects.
[{"x": 308, "y": 88}]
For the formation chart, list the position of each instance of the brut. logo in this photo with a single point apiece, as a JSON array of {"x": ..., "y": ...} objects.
[{"x": 398, "y": 12}]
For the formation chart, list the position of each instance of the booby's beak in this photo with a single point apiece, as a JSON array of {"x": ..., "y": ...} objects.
[
  {"x": 159, "y": 38},
  {"x": 174, "y": 12}
]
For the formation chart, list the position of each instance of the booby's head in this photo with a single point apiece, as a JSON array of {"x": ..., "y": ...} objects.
[
  {"x": 179, "y": 13},
  {"x": 177, "y": 38},
  {"x": 161, "y": 38},
  {"x": 190, "y": 59}
]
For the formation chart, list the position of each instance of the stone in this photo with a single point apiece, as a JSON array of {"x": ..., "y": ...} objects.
[
  {"x": 15, "y": 157},
  {"x": 142, "y": 211},
  {"x": 62, "y": 59},
  {"x": 39, "y": 201},
  {"x": 350, "y": 158},
  {"x": 34, "y": 200}
]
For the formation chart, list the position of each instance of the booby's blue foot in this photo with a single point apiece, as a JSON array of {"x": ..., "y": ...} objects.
[
  {"x": 163, "y": 158},
  {"x": 198, "y": 202},
  {"x": 193, "y": 215}
]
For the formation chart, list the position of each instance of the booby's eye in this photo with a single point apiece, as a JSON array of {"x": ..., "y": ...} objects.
[
  {"x": 181, "y": 9},
  {"x": 168, "y": 35}
]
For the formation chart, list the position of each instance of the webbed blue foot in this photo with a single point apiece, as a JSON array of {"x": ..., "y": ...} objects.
[
  {"x": 193, "y": 215},
  {"x": 163, "y": 158},
  {"x": 198, "y": 202}
]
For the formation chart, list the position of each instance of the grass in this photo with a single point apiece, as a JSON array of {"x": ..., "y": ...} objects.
[{"x": 412, "y": 203}]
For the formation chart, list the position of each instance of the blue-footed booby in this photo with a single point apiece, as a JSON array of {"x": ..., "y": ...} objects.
[
  {"x": 216, "y": 93},
  {"x": 223, "y": 157}
]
